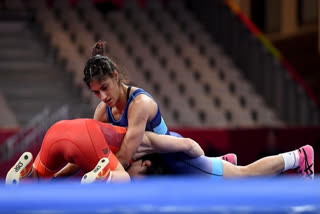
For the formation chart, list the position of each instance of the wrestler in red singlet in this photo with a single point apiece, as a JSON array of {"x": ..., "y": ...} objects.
[{"x": 81, "y": 141}]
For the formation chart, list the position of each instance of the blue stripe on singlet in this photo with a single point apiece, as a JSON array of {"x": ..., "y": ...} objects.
[
  {"x": 161, "y": 128},
  {"x": 217, "y": 168}
]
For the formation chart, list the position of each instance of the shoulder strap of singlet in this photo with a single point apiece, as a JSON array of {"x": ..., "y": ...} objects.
[
  {"x": 137, "y": 92},
  {"x": 128, "y": 92}
]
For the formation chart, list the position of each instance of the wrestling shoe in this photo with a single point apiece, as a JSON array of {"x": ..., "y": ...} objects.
[
  {"x": 230, "y": 157},
  {"x": 22, "y": 168},
  {"x": 100, "y": 173},
  {"x": 306, "y": 162}
]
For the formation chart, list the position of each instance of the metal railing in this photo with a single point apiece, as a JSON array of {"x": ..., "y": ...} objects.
[{"x": 33, "y": 133}]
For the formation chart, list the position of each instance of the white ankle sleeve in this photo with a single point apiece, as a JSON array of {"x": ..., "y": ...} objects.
[{"x": 291, "y": 160}]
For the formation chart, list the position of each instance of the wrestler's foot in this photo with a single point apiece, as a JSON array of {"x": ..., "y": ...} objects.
[
  {"x": 306, "y": 161},
  {"x": 230, "y": 157},
  {"x": 100, "y": 173},
  {"x": 22, "y": 168}
]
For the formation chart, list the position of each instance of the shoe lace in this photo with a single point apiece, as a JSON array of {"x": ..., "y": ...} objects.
[{"x": 307, "y": 166}]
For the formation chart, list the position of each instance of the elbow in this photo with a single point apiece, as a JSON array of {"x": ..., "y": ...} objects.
[
  {"x": 189, "y": 143},
  {"x": 194, "y": 148},
  {"x": 145, "y": 139}
]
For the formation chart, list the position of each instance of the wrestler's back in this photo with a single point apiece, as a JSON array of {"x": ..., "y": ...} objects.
[
  {"x": 82, "y": 131},
  {"x": 80, "y": 141}
]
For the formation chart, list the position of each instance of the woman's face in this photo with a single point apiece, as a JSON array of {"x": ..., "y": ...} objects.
[{"x": 107, "y": 90}]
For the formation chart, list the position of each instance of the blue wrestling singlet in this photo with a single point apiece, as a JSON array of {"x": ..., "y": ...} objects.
[{"x": 179, "y": 163}]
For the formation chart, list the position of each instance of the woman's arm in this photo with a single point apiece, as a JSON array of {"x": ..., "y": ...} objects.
[
  {"x": 154, "y": 143},
  {"x": 140, "y": 111},
  {"x": 100, "y": 113}
]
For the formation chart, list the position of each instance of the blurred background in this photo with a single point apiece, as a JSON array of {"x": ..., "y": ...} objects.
[{"x": 237, "y": 76}]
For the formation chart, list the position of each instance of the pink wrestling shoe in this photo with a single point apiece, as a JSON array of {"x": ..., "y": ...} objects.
[
  {"x": 306, "y": 162},
  {"x": 101, "y": 172},
  {"x": 230, "y": 157},
  {"x": 22, "y": 168}
]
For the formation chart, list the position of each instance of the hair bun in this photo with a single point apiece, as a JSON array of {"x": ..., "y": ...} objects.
[{"x": 99, "y": 48}]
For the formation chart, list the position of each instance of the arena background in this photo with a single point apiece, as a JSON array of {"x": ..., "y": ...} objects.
[{"x": 237, "y": 76}]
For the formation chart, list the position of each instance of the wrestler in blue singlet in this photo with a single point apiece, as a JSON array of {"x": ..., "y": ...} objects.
[{"x": 179, "y": 163}]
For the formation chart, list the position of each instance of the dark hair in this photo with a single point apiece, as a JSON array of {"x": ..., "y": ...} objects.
[
  {"x": 158, "y": 165},
  {"x": 99, "y": 66},
  {"x": 99, "y": 48}
]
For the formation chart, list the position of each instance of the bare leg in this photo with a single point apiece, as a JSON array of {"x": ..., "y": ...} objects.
[{"x": 267, "y": 166}]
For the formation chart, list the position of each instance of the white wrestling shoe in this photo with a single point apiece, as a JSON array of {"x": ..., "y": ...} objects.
[
  {"x": 21, "y": 169},
  {"x": 100, "y": 173}
]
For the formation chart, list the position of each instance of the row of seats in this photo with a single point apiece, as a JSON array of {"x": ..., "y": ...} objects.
[
  {"x": 194, "y": 82},
  {"x": 30, "y": 81},
  {"x": 235, "y": 82},
  {"x": 61, "y": 41},
  {"x": 193, "y": 61}
]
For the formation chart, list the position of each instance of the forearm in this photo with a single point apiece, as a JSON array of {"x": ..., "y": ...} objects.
[
  {"x": 167, "y": 143},
  {"x": 129, "y": 145}
]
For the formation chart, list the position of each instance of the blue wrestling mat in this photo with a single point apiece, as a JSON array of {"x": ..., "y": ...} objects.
[{"x": 166, "y": 195}]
